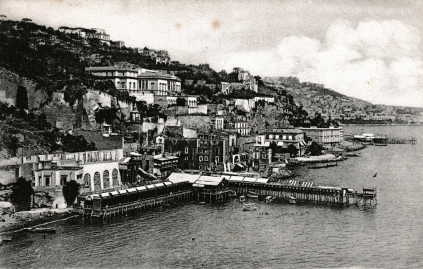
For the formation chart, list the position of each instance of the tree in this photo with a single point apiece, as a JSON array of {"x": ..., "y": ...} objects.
[
  {"x": 314, "y": 149},
  {"x": 22, "y": 98},
  {"x": 292, "y": 150},
  {"x": 21, "y": 194},
  {"x": 71, "y": 191},
  {"x": 180, "y": 101}
]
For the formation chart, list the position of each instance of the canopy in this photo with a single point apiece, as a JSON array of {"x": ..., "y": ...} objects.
[
  {"x": 182, "y": 177},
  {"x": 167, "y": 183},
  {"x": 105, "y": 195},
  {"x": 262, "y": 180},
  {"x": 123, "y": 192},
  {"x": 159, "y": 185},
  {"x": 132, "y": 190},
  {"x": 235, "y": 179},
  {"x": 143, "y": 188},
  {"x": 114, "y": 193},
  {"x": 150, "y": 187},
  {"x": 249, "y": 179}
]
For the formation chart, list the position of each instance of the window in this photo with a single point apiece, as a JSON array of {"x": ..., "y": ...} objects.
[
  {"x": 277, "y": 136},
  {"x": 200, "y": 158},
  {"x": 40, "y": 181},
  {"x": 63, "y": 180},
  {"x": 47, "y": 181},
  {"x": 186, "y": 150},
  {"x": 200, "y": 167},
  {"x": 216, "y": 159},
  {"x": 206, "y": 158},
  {"x": 271, "y": 136}
]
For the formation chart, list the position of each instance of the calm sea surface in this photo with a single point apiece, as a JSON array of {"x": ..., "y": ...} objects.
[{"x": 288, "y": 236}]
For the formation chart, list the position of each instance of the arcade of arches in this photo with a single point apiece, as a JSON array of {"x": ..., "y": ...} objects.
[{"x": 99, "y": 181}]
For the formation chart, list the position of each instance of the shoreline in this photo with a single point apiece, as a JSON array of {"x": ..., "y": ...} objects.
[{"x": 13, "y": 225}]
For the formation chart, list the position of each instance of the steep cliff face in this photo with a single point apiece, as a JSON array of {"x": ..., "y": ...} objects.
[{"x": 9, "y": 83}]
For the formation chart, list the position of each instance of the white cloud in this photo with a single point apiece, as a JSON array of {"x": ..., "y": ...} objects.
[{"x": 379, "y": 61}]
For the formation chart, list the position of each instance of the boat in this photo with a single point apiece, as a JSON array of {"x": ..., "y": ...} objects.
[
  {"x": 380, "y": 141},
  {"x": 248, "y": 208},
  {"x": 269, "y": 199},
  {"x": 232, "y": 194},
  {"x": 352, "y": 155},
  {"x": 41, "y": 230},
  {"x": 242, "y": 199},
  {"x": 6, "y": 238},
  {"x": 252, "y": 194},
  {"x": 322, "y": 166},
  {"x": 292, "y": 200}
]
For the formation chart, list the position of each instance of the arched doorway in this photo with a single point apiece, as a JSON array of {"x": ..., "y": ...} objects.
[
  {"x": 106, "y": 179},
  {"x": 115, "y": 178},
  {"x": 87, "y": 181},
  {"x": 97, "y": 181}
]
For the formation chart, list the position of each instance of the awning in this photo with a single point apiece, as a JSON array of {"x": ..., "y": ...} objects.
[
  {"x": 91, "y": 197},
  {"x": 182, "y": 177},
  {"x": 303, "y": 143},
  {"x": 126, "y": 160},
  {"x": 262, "y": 180},
  {"x": 132, "y": 190},
  {"x": 150, "y": 187},
  {"x": 168, "y": 183},
  {"x": 235, "y": 179},
  {"x": 159, "y": 185},
  {"x": 123, "y": 192},
  {"x": 143, "y": 188},
  {"x": 249, "y": 179},
  {"x": 198, "y": 185},
  {"x": 114, "y": 193},
  {"x": 105, "y": 195}
]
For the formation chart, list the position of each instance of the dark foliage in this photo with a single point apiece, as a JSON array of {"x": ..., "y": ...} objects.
[
  {"x": 22, "y": 192},
  {"x": 71, "y": 191},
  {"x": 22, "y": 98}
]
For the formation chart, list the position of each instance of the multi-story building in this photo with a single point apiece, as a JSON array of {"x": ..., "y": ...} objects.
[
  {"x": 99, "y": 34},
  {"x": 118, "y": 44},
  {"x": 327, "y": 137},
  {"x": 124, "y": 78},
  {"x": 279, "y": 140},
  {"x": 138, "y": 81},
  {"x": 94, "y": 170},
  {"x": 215, "y": 149},
  {"x": 158, "y": 83}
]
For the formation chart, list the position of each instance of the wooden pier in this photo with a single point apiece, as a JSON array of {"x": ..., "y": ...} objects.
[{"x": 311, "y": 195}]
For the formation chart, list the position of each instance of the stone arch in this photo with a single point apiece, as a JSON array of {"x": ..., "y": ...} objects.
[
  {"x": 115, "y": 177},
  {"x": 87, "y": 180},
  {"x": 97, "y": 181},
  {"x": 106, "y": 179}
]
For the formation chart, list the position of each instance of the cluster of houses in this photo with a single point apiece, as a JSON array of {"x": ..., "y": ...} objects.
[{"x": 93, "y": 33}]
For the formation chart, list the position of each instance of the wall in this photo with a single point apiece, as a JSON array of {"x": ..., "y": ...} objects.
[
  {"x": 101, "y": 142},
  {"x": 195, "y": 121},
  {"x": 143, "y": 96},
  {"x": 189, "y": 133},
  {"x": 9, "y": 82}
]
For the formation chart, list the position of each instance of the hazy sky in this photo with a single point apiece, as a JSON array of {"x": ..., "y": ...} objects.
[{"x": 366, "y": 49}]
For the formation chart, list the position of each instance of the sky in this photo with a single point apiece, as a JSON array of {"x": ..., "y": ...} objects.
[{"x": 365, "y": 49}]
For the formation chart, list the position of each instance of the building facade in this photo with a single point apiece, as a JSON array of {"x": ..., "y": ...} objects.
[{"x": 327, "y": 137}]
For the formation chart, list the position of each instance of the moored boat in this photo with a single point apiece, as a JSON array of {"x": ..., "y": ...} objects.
[
  {"x": 252, "y": 194},
  {"x": 249, "y": 208},
  {"x": 292, "y": 200},
  {"x": 42, "y": 230}
]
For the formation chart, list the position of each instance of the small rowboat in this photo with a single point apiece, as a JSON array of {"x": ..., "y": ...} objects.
[
  {"x": 42, "y": 230},
  {"x": 292, "y": 200},
  {"x": 249, "y": 208}
]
